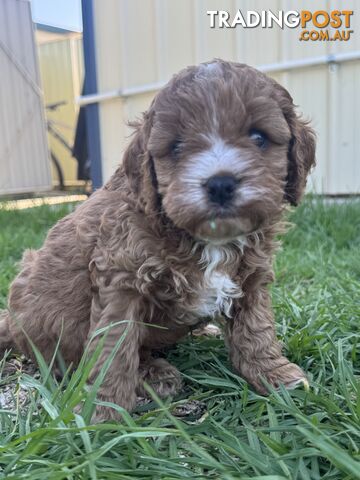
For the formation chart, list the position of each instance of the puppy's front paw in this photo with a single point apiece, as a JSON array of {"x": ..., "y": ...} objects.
[
  {"x": 290, "y": 375},
  {"x": 103, "y": 413},
  {"x": 282, "y": 372},
  {"x": 162, "y": 377}
]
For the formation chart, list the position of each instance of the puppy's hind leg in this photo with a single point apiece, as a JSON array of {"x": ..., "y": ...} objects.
[{"x": 6, "y": 340}]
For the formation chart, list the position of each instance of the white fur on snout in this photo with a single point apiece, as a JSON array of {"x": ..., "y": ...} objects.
[{"x": 219, "y": 158}]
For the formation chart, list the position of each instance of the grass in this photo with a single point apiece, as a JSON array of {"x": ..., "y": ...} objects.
[{"x": 287, "y": 435}]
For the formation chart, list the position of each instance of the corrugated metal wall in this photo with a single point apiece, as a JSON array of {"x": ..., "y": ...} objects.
[
  {"x": 140, "y": 42},
  {"x": 61, "y": 67},
  {"x": 24, "y": 159}
]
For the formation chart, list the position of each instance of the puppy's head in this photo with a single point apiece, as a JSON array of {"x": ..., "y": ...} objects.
[{"x": 221, "y": 149}]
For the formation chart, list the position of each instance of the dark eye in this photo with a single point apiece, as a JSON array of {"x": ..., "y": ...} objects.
[
  {"x": 259, "y": 138},
  {"x": 175, "y": 147}
]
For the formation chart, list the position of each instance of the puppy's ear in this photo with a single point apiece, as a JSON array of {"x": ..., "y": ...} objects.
[
  {"x": 301, "y": 158},
  {"x": 139, "y": 166},
  {"x": 136, "y": 153}
]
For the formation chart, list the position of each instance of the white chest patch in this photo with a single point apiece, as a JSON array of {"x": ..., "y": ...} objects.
[
  {"x": 218, "y": 290},
  {"x": 217, "y": 295}
]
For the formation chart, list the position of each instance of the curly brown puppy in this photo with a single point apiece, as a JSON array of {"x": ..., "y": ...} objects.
[{"x": 183, "y": 232}]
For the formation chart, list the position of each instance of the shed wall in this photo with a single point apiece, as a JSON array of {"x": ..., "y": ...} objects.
[
  {"x": 24, "y": 160},
  {"x": 142, "y": 42}
]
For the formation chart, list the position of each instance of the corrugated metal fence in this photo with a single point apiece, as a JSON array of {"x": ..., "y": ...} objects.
[
  {"x": 141, "y": 43},
  {"x": 24, "y": 160}
]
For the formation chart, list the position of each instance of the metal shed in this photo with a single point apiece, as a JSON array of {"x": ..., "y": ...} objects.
[
  {"x": 24, "y": 158},
  {"x": 132, "y": 47}
]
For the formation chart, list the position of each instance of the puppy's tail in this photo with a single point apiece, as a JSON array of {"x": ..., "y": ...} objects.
[{"x": 6, "y": 342}]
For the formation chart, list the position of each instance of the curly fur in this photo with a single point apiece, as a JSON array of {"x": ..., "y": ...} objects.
[{"x": 148, "y": 250}]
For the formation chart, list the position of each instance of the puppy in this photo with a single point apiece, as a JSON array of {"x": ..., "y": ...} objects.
[{"x": 182, "y": 233}]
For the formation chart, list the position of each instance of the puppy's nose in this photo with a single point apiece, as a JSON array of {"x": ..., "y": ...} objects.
[{"x": 221, "y": 189}]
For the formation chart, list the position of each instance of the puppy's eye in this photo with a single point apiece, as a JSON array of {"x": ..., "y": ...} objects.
[
  {"x": 175, "y": 147},
  {"x": 259, "y": 138}
]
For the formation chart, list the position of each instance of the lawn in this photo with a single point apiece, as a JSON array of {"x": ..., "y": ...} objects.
[{"x": 239, "y": 434}]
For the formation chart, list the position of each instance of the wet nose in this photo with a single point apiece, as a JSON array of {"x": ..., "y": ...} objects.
[{"x": 221, "y": 189}]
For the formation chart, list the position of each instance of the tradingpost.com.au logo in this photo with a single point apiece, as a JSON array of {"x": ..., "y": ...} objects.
[{"x": 319, "y": 25}]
